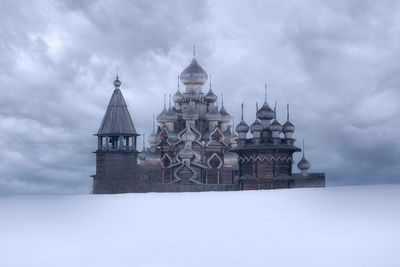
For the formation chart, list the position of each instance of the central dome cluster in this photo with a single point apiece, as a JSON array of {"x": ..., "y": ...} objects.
[{"x": 194, "y": 74}]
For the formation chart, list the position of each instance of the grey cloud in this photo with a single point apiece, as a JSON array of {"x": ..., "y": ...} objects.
[{"x": 337, "y": 63}]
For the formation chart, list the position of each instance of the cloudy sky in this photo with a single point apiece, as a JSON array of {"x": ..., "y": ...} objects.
[{"x": 336, "y": 62}]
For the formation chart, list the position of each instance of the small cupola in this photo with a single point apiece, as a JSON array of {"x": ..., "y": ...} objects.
[
  {"x": 275, "y": 126},
  {"x": 303, "y": 164},
  {"x": 288, "y": 128}
]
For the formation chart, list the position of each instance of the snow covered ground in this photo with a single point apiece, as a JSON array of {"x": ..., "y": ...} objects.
[{"x": 337, "y": 226}]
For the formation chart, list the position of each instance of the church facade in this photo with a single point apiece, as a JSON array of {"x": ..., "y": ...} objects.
[{"x": 195, "y": 147}]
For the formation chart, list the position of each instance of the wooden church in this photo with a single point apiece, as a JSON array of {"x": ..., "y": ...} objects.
[{"x": 195, "y": 147}]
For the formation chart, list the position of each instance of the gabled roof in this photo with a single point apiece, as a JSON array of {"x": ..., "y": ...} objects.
[{"x": 117, "y": 120}]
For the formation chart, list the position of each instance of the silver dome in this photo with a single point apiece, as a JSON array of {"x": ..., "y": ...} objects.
[
  {"x": 265, "y": 112},
  {"x": 194, "y": 74},
  {"x": 242, "y": 127},
  {"x": 178, "y": 97},
  {"x": 210, "y": 97},
  {"x": 256, "y": 127},
  {"x": 288, "y": 127},
  {"x": 275, "y": 126},
  {"x": 303, "y": 164}
]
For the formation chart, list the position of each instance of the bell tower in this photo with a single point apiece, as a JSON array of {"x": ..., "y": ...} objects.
[{"x": 116, "y": 154}]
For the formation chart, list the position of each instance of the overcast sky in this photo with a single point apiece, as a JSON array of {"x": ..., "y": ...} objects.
[{"x": 336, "y": 62}]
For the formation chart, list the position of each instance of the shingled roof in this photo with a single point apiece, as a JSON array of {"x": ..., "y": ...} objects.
[{"x": 117, "y": 120}]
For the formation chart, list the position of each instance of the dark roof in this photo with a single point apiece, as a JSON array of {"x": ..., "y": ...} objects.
[{"x": 117, "y": 120}]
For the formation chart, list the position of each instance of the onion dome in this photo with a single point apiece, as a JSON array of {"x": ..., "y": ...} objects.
[
  {"x": 275, "y": 126},
  {"x": 194, "y": 74},
  {"x": 186, "y": 153},
  {"x": 225, "y": 116},
  {"x": 288, "y": 127},
  {"x": 178, "y": 97},
  {"x": 303, "y": 164},
  {"x": 242, "y": 127},
  {"x": 265, "y": 112},
  {"x": 210, "y": 97},
  {"x": 256, "y": 127},
  {"x": 190, "y": 113}
]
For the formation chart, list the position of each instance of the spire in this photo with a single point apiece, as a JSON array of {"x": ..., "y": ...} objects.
[
  {"x": 210, "y": 83},
  {"x": 242, "y": 112},
  {"x": 256, "y": 107},
  {"x": 169, "y": 101},
  {"x": 117, "y": 120},
  {"x": 165, "y": 105},
  {"x": 265, "y": 93},
  {"x": 178, "y": 84},
  {"x": 117, "y": 72},
  {"x": 275, "y": 110},
  {"x": 222, "y": 99},
  {"x": 194, "y": 48},
  {"x": 303, "y": 164},
  {"x": 287, "y": 110},
  {"x": 144, "y": 146}
]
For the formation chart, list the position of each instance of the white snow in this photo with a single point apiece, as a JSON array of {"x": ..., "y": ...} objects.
[{"x": 337, "y": 226}]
